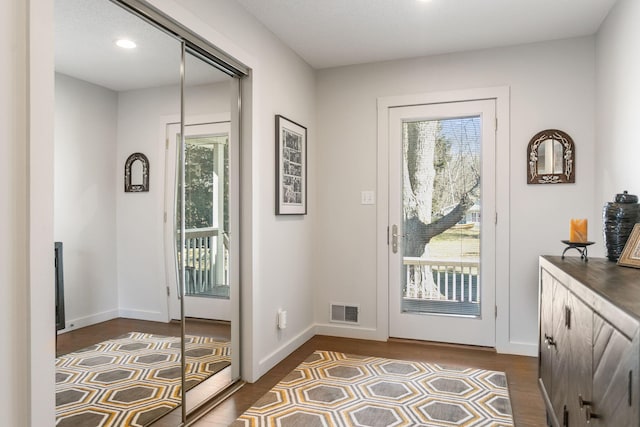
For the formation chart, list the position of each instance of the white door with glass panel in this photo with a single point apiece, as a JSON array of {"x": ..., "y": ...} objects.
[
  {"x": 206, "y": 211},
  {"x": 442, "y": 222}
]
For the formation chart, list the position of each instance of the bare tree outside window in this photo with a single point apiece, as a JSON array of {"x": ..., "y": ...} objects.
[{"x": 441, "y": 209}]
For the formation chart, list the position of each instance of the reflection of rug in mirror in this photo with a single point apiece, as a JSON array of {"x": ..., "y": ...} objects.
[
  {"x": 131, "y": 380},
  {"x": 336, "y": 389}
]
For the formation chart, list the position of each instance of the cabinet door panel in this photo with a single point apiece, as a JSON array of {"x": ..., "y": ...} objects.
[
  {"x": 580, "y": 324},
  {"x": 613, "y": 369},
  {"x": 561, "y": 352}
]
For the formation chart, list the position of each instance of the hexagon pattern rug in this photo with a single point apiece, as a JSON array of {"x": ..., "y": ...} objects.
[
  {"x": 131, "y": 380},
  {"x": 336, "y": 389}
]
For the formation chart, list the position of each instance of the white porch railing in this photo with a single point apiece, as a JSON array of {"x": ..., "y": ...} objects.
[
  {"x": 206, "y": 264},
  {"x": 442, "y": 279}
]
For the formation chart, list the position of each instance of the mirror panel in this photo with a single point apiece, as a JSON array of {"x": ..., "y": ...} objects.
[
  {"x": 551, "y": 158},
  {"x": 109, "y": 102},
  {"x": 208, "y": 305},
  {"x": 122, "y": 261}
]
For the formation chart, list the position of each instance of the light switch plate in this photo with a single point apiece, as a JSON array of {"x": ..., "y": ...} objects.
[{"x": 368, "y": 198}]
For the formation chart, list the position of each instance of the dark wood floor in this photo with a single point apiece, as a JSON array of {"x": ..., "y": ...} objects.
[
  {"x": 85, "y": 337},
  {"x": 521, "y": 372}
]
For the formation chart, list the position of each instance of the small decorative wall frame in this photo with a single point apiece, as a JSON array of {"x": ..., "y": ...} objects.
[
  {"x": 291, "y": 167},
  {"x": 141, "y": 183},
  {"x": 551, "y": 158}
]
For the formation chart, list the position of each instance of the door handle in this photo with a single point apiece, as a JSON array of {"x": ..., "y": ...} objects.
[{"x": 394, "y": 238}]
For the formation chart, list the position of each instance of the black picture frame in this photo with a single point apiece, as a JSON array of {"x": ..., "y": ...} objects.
[{"x": 291, "y": 167}]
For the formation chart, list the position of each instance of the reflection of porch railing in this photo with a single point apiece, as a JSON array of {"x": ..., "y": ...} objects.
[
  {"x": 206, "y": 264},
  {"x": 442, "y": 280}
]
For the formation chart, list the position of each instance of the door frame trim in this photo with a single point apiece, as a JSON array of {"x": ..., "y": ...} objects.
[{"x": 501, "y": 94}]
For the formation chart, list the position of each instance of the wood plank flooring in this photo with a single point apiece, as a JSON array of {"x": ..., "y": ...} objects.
[
  {"x": 85, "y": 337},
  {"x": 521, "y": 373}
]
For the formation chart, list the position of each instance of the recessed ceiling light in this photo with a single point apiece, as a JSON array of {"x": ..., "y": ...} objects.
[{"x": 125, "y": 44}]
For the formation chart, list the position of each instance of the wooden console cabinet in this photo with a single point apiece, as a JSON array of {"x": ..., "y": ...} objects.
[{"x": 589, "y": 358}]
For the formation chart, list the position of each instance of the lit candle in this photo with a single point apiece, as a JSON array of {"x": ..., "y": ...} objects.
[{"x": 578, "y": 230}]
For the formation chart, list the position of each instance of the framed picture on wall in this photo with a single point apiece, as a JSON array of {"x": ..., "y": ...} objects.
[
  {"x": 291, "y": 167},
  {"x": 630, "y": 256}
]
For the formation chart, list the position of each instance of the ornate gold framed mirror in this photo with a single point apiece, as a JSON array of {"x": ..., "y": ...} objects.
[{"x": 551, "y": 158}]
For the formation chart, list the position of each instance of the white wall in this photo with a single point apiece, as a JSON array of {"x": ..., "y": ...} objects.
[
  {"x": 618, "y": 104},
  {"x": 142, "y": 117},
  {"x": 552, "y": 86},
  {"x": 14, "y": 307},
  {"x": 85, "y": 198}
]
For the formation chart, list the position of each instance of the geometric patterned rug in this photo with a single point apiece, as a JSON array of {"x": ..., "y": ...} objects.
[
  {"x": 131, "y": 380},
  {"x": 336, "y": 389}
]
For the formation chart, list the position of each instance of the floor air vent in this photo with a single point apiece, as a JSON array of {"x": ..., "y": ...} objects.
[{"x": 342, "y": 313}]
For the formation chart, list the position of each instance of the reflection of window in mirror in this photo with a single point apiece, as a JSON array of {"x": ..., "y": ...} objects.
[
  {"x": 136, "y": 172},
  {"x": 550, "y": 157},
  {"x": 543, "y": 149}
]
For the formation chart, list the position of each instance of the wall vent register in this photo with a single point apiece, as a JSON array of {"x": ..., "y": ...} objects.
[{"x": 342, "y": 313}]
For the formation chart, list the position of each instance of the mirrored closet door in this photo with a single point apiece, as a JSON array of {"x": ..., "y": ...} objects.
[{"x": 146, "y": 215}]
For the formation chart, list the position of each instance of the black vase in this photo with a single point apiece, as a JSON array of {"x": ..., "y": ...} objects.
[{"x": 618, "y": 219}]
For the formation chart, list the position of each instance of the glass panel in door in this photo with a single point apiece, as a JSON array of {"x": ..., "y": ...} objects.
[
  {"x": 207, "y": 212},
  {"x": 441, "y": 211}
]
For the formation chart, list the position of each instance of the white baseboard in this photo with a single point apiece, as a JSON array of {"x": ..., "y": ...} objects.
[
  {"x": 284, "y": 350},
  {"x": 518, "y": 348},
  {"x": 153, "y": 316},
  {"x": 81, "y": 322},
  {"x": 346, "y": 331}
]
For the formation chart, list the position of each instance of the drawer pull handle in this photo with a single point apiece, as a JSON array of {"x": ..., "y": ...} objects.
[
  {"x": 583, "y": 402},
  {"x": 549, "y": 341},
  {"x": 586, "y": 405}
]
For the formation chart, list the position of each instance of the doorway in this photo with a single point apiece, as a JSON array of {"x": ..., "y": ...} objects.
[
  {"x": 442, "y": 233},
  {"x": 395, "y": 114},
  {"x": 207, "y": 285}
]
